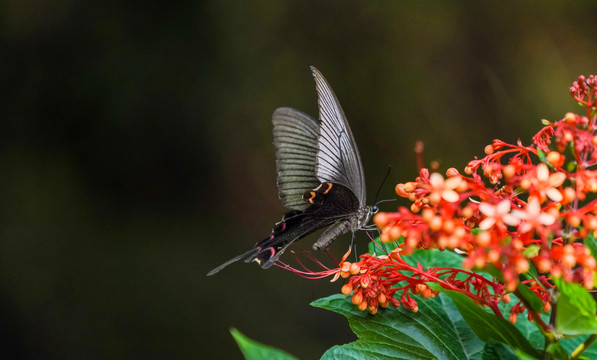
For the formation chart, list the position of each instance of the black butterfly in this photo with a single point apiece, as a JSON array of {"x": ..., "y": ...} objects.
[{"x": 320, "y": 179}]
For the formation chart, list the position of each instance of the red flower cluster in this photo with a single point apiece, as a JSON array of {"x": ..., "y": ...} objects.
[
  {"x": 530, "y": 204},
  {"x": 517, "y": 207},
  {"x": 374, "y": 280}
]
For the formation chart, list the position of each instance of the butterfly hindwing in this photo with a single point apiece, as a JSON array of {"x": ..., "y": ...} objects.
[
  {"x": 295, "y": 139},
  {"x": 329, "y": 204}
]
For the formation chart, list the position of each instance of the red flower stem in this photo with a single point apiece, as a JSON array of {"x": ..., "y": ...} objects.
[
  {"x": 448, "y": 286},
  {"x": 543, "y": 327}
]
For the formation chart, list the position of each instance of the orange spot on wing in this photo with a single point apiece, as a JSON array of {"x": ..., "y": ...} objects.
[{"x": 329, "y": 188}]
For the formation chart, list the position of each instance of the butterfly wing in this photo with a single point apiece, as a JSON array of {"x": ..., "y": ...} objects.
[
  {"x": 338, "y": 159},
  {"x": 295, "y": 139}
]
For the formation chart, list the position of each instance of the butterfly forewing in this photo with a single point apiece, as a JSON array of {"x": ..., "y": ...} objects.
[
  {"x": 295, "y": 139},
  {"x": 338, "y": 159}
]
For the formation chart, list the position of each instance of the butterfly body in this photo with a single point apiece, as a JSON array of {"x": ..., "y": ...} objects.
[{"x": 320, "y": 179}]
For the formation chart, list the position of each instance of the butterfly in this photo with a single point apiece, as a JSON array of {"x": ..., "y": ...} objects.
[{"x": 320, "y": 179}]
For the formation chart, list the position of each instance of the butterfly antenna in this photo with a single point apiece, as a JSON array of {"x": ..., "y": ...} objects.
[{"x": 382, "y": 183}]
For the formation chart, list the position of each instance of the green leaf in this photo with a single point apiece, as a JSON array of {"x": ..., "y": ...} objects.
[
  {"x": 576, "y": 310},
  {"x": 494, "y": 351},
  {"x": 591, "y": 243},
  {"x": 531, "y": 297},
  {"x": 252, "y": 350},
  {"x": 557, "y": 351},
  {"x": 489, "y": 327},
  {"x": 435, "y": 258},
  {"x": 531, "y": 251},
  {"x": 530, "y": 331},
  {"x": 436, "y": 331},
  {"x": 379, "y": 248},
  {"x": 427, "y": 258},
  {"x": 524, "y": 356}
]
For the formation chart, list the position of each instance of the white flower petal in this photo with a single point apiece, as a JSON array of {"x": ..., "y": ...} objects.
[
  {"x": 533, "y": 206},
  {"x": 557, "y": 179},
  {"x": 503, "y": 207},
  {"x": 525, "y": 227},
  {"x": 436, "y": 180},
  {"x": 546, "y": 219},
  {"x": 519, "y": 214},
  {"x": 452, "y": 182},
  {"x": 511, "y": 220},
  {"x": 486, "y": 224},
  {"x": 487, "y": 209},
  {"x": 450, "y": 195},
  {"x": 554, "y": 194},
  {"x": 542, "y": 172}
]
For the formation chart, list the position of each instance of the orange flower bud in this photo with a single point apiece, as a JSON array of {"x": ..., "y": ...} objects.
[
  {"x": 521, "y": 265},
  {"x": 570, "y": 117},
  {"x": 362, "y": 306},
  {"x": 573, "y": 220},
  {"x": 428, "y": 214},
  {"x": 493, "y": 256},
  {"x": 357, "y": 298},
  {"x": 555, "y": 158},
  {"x": 512, "y": 318},
  {"x": 381, "y": 219},
  {"x": 479, "y": 262},
  {"x": 385, "y": 237},
  {"x": 489, "y": 149},
  {"x": 484, "y": 238},
  {"x": 436, "y": 223},
  {"x": 410, "y": 186},
  {"x": 543, "y": 264},
  {"x": 468, "y": 212},
  {"x": 355, "y": 268},
  {"x": 347, "y": 289},
  {"x": 400, "y": 190},
  {"x": 452, "y": 172},
  {"x": 569, "y": 195},
  {"x": 509, "y": 171},
  {"x": 395, "y": 232},
  {"x": 448, "y": 225}
]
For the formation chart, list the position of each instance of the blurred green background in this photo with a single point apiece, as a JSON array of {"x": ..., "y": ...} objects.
[{"x": 136, "y": 155}]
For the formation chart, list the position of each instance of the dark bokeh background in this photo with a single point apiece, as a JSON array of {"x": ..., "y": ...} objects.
[{"x": 135, "y": 150}]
